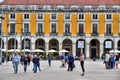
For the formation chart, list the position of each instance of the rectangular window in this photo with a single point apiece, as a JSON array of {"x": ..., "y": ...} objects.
[
  {"x": 12, "y": 28},
  {"x": 53, "y": 16},
  {"x": 26, "y": 27},
  {"x": 40, "y": 16},
  {"x": 12, "y": 16},
  {"x": 53, "y": 27},
  {"x": 40, "y": 27},
  {"x": 94, "y": 28},
  {"x": 108, "y": 29},
  {"x": 108, "y": 16},
  {"x": 95, "y": 16},
  {"x": 67, "y": 16},
  {"x": 26, "y": 16},
  {"x": 81, "y": 16},
  {"x": 67, "y": 28},
  {"x": 81, "y": 28}
]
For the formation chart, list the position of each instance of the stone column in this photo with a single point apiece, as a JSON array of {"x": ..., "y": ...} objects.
[
  {"x": 74, "y": 49},
  {"x": 101, "y": 49},
  {"x": 46, "y": 47},
  {"x": 87, "y": 51}
]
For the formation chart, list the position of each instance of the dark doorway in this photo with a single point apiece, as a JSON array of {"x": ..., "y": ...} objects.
[{"x": 93, "y": 53}]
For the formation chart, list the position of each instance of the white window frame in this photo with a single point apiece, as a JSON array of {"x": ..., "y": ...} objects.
[
  {"x": 83, "y": 16},
  {"x": 24, "y": 16},
  {"x": 24, "y": 26},
  {"x": 10, "y": 27},
  {"x": 42, "y": 25},
  {"x": 67, "y": 23},
  {"x": 97, "y": 17},
  {"x": 111, "y": 17},
  {"x": 97, "y": 27},
  {"x": 56, "y": 16},
  {"x": 12, "y": 18},
  {"x": 83, "y": 27},
  {"x": 111, "y": 27},
  {"x": 51, "y": 26},
  {"x": 67, "y": 19},
  {"x": 42, "y": 16}
]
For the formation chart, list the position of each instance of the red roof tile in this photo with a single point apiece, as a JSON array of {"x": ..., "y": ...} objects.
[{"x": 61, "y": 2}]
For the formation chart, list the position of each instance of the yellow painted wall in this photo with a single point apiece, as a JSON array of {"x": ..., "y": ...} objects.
[
  {"x": 88, "y": 23},
  {"x": 101, "y": 24},
  {"x": 60, "y": 23},
  {"x": 47, "y": 23},
  {"x": 19, "y": 21},
  {"x": 74, "y": 24},
  {"x": 33, "y": 24},
  {"x": 4, "y": 24},
  {"x": 115, "y": 23}
]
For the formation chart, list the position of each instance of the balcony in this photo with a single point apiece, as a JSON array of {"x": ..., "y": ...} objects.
[
  {"x": 80, "y": 34},
  {"x": 12, "y": 33},
  {"x": 26, "y": 33},
  {"x": 39, "y": 34},
  {"x": 95, "y": 34},
  {"x": 108, "y": 34},
  {"x": 53, "y": 34},
  {"x": 67, "y": 34}
]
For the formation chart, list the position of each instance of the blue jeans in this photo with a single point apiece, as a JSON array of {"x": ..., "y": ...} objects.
[
  {"x": 49, "y": 62},
  {"x": 35, "y": 68},
  {"x": 15, "y": 67}
]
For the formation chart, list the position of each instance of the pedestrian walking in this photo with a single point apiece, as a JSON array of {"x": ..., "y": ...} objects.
[
  {"x": 82, "y": 63},
  {"x": 35, "y": 63},
  {"x": 107, "y": 60},
  {"x": 38, "y": 64},
  {"x": 49, "y": 59},
  {"x": 112, "y": 61},
  {"x": 70, "y": 62},
  {"x": 22, "y": 59},
  {"x": 25, "y": 60},
  {"x": 116, "y": 61},
  {"x": 15, "y": 61},
  {"x": 63, "y": 60}
]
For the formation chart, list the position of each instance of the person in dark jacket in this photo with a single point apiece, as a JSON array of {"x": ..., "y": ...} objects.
[
  {"x": 25, "y": 60},
  {"x": 35, "y": 63},
  {"x": 38, "y": 64},
  {"x": 70, "y": 62}
]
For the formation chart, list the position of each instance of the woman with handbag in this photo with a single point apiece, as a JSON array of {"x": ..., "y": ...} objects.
[{"x": 82, "y": 63}]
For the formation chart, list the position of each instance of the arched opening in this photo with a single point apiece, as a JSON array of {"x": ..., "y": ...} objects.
[
  {"x": 26, "y": 44},
  {"x": 67, "y": 45},
  {"x": 40, "y": 44},
  {"x": 54, "y": 44},
  {"x": 118, "y": 45},
  {"x": 12, "y": 44},
  {"x": 94, "y": 49},
  {"x": 108, "y": 45},
  {"x": 80, "y": 47}
]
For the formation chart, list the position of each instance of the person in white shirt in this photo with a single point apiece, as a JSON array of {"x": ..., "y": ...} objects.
[
  {"x": 15, "y": 61},
  {"x": 82, "y": 63}
]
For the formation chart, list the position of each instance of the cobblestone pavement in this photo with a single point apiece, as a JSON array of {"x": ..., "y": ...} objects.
[{"x": 94, "y": 71}]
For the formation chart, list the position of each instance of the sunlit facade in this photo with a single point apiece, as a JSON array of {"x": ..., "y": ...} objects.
[{"x": 92, "y": 29}]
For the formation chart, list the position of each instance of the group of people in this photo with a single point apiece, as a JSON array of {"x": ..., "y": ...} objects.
[
  {"x": 111, "y": 60},
  {"x": 69, "y": 59},
  {"x": 26, "y": 59}
]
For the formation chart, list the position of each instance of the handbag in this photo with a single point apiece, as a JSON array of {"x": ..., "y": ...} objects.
[{"x": 73, "y": 65}]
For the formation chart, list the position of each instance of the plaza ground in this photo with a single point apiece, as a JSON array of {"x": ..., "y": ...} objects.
[{"x": 95, "y": 70}]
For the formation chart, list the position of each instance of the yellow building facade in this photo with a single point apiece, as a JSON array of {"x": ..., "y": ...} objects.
[{"x": 90, "y": 31}]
